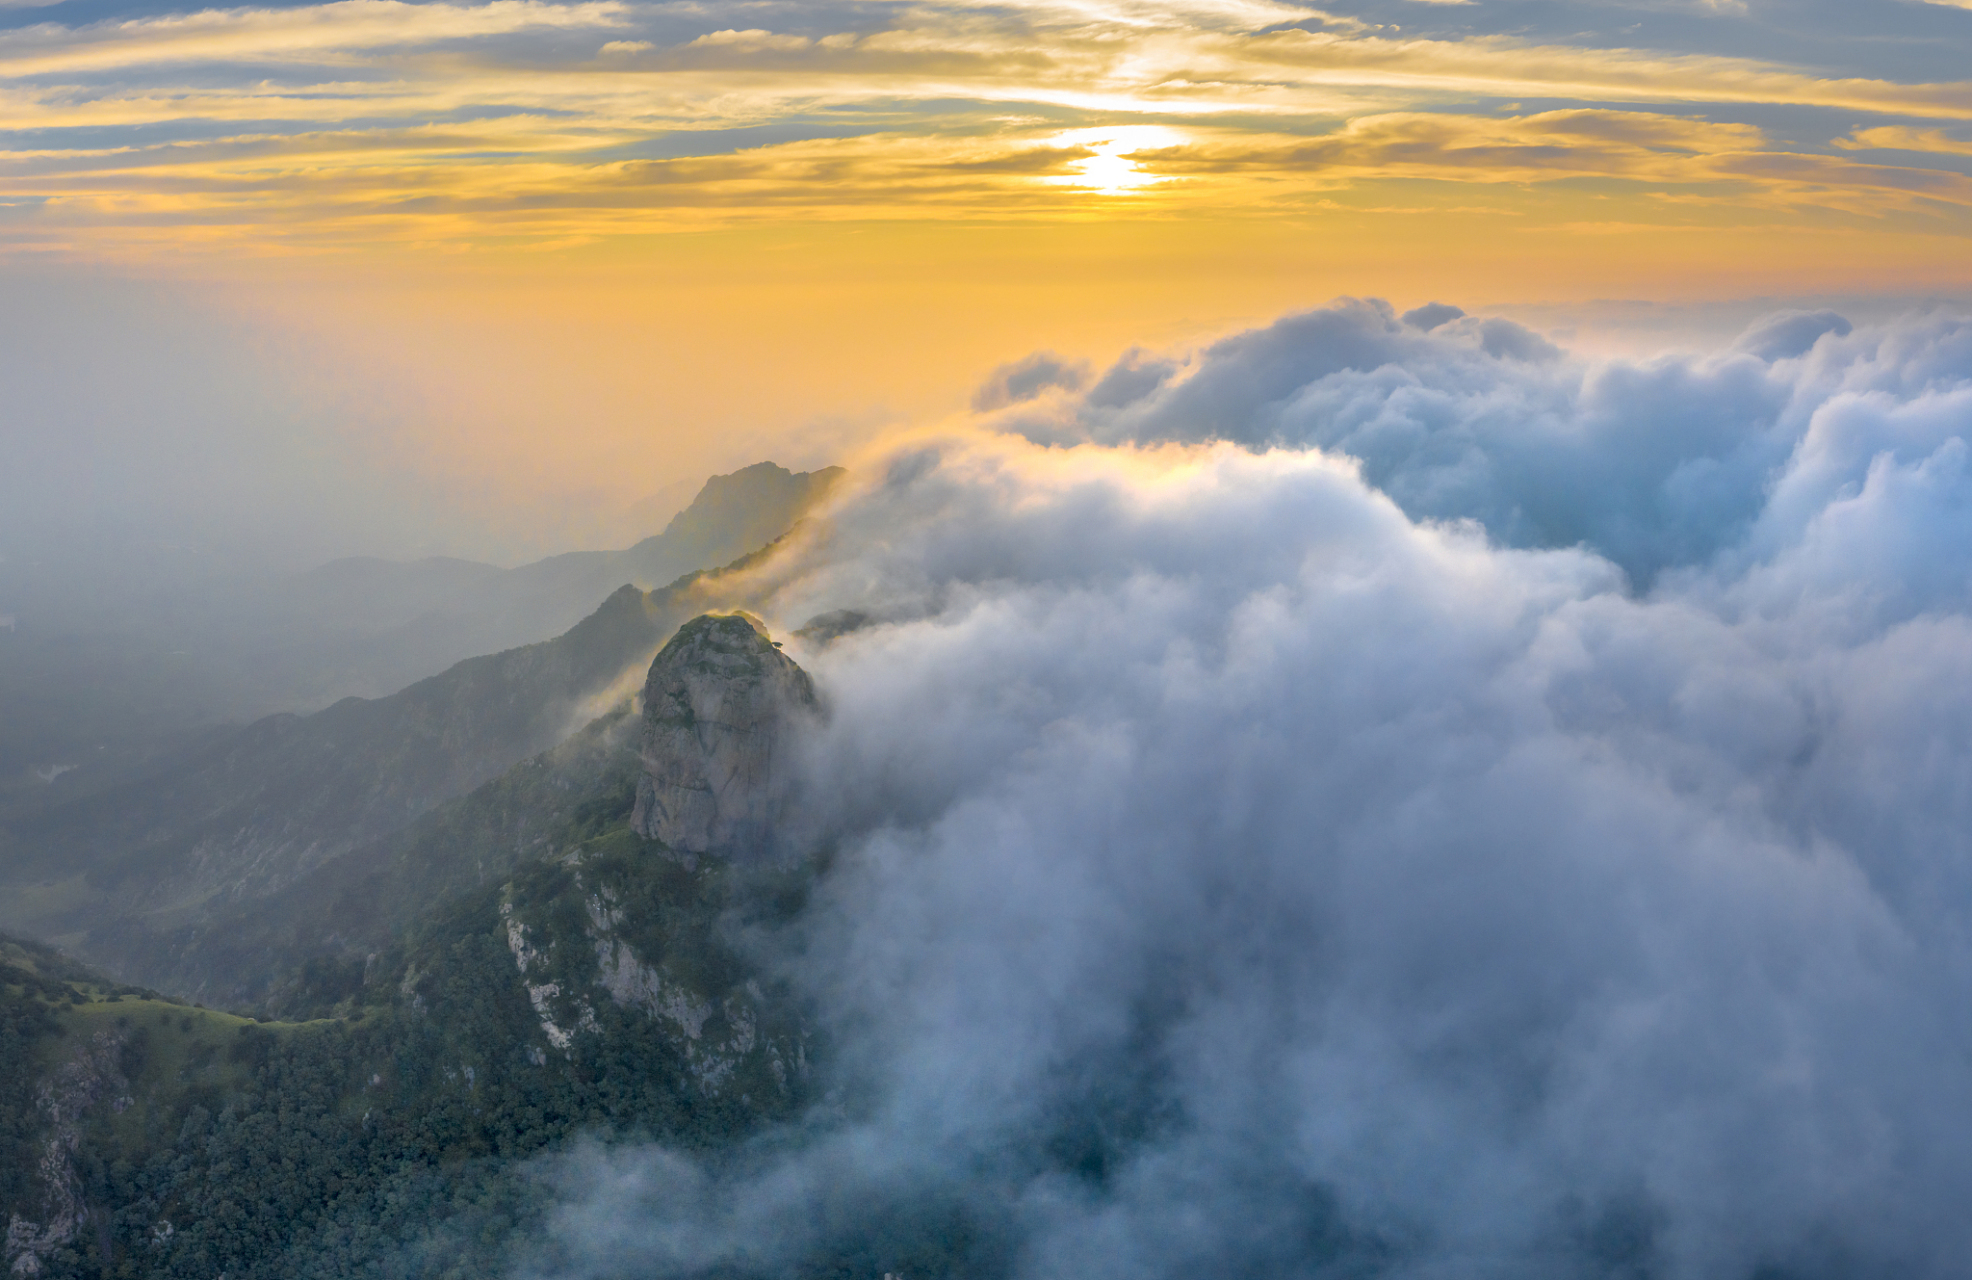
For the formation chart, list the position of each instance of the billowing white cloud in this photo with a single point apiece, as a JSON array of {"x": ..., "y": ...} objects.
[
  {"x": 1655, "y": 465},
  {"x": 1247, "y": 870}
]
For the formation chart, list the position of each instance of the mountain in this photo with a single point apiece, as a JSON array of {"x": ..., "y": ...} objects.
[
  {"x": 254, "y": 811},
  {"x": 311, "y": 941},
  {"x": 394, "y": 621},
  {"x": 718, "y": 701},
  {"x": 106, "y": 676},
  {"x": 695, "y": 771},
  {"x": 126, "y": 866},
  {"x": 552, "y": 973}
]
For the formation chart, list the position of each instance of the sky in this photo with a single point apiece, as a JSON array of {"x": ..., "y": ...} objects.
[
  {"x": 138, "y": 130},
  {"x": 491, "y": 272}
]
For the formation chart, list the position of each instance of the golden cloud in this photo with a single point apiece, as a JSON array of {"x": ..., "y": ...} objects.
[
  {"x": 960, "y": 111},
  {"x": 272, "y": 35}
]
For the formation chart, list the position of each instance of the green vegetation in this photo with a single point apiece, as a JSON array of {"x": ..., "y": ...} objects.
[
  {"x": 381, "y": 1130},
  {"x": 309, "y": 944},
  {"x": 435, "y": 1007},
  {"x": 386, "y": 1127},
  {"x": 241, "y": 817},
  {"x": 29, "y": 1001}
]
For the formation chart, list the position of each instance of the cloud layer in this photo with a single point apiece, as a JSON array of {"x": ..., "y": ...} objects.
[
  {"x": 533, "y": 122},
  {"x": 1284, "y": 834},
  {"x": 1657, "y": 465}
]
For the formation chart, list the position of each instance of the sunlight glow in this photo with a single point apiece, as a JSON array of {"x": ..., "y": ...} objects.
[{"x": 1113, "y": 169}]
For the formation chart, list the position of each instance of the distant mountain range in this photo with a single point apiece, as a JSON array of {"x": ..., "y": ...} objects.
[
  {"x": 89, "y": 703},
  {"x": 133, "y": 874},
  {"x": 402, "y": 620}
]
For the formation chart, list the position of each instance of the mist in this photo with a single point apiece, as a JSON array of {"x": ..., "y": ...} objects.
[
  {"x": 1380, "y": 796},
  {"x": 201, "y": 482},
  {"x": 164, "y": 433}
]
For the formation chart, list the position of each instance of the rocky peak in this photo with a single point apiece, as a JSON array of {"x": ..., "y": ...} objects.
[{"x": 718, "y": 705}]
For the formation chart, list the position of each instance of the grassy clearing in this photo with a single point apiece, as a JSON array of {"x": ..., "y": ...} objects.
[{"x": 172, "y": 1053}]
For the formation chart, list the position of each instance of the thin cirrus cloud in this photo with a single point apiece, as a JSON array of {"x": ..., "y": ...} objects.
[
  {"x": 545, "y": 120},
  {"x": 260, "y": 35},
  {"x": 1899, "y": 138}
]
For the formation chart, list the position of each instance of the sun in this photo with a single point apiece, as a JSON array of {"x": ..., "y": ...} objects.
[{"x": 1111, "y": 169}]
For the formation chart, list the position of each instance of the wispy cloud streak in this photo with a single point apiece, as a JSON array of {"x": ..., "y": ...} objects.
[{"x": 1277, "y": 101}]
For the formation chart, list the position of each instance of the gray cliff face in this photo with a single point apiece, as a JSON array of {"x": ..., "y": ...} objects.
[{"x": 718, "y": 706}]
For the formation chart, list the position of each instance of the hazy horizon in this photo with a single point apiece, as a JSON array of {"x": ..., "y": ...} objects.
[{"x": 376, "y": 278}]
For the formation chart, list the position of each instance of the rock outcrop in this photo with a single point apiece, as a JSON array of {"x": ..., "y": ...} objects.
[
  {"x": 718, "y": 707},
  {"x": 65, "y": 1099}
]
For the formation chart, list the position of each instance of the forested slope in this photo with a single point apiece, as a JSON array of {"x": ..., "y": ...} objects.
[
  {"x": 125, "y": 877},
  {"x": 318, "y": 933},
  {"x": 380, "y": 1132},
  {"x": 537, "y": 972}
]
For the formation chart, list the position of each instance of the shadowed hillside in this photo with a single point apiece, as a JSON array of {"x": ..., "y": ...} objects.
[
  {"x": 99, "y": 689},
  {"x": 539, "y": 970}
]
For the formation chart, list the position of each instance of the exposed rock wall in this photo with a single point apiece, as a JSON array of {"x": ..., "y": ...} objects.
[
  {"x": 719, "y": 704},
  {"x": 94, "y": 1072},
  {"x": 737, "y": 1040}
]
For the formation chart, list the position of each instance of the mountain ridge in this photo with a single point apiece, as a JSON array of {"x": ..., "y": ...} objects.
[
  {"x": 589, "y": 984},
  {"x": 97, "y": 702},
  {"x": 116, "y": 875},
  {"x": 486, "y": 609},
  {"x": 288, "y": 793}
]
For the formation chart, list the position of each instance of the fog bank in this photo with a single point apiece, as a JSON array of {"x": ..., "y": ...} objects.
[{"x": 1389, "y": 801}]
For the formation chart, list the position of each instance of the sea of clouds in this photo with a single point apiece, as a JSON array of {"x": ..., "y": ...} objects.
[{"x": 1382, "y": 796}]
